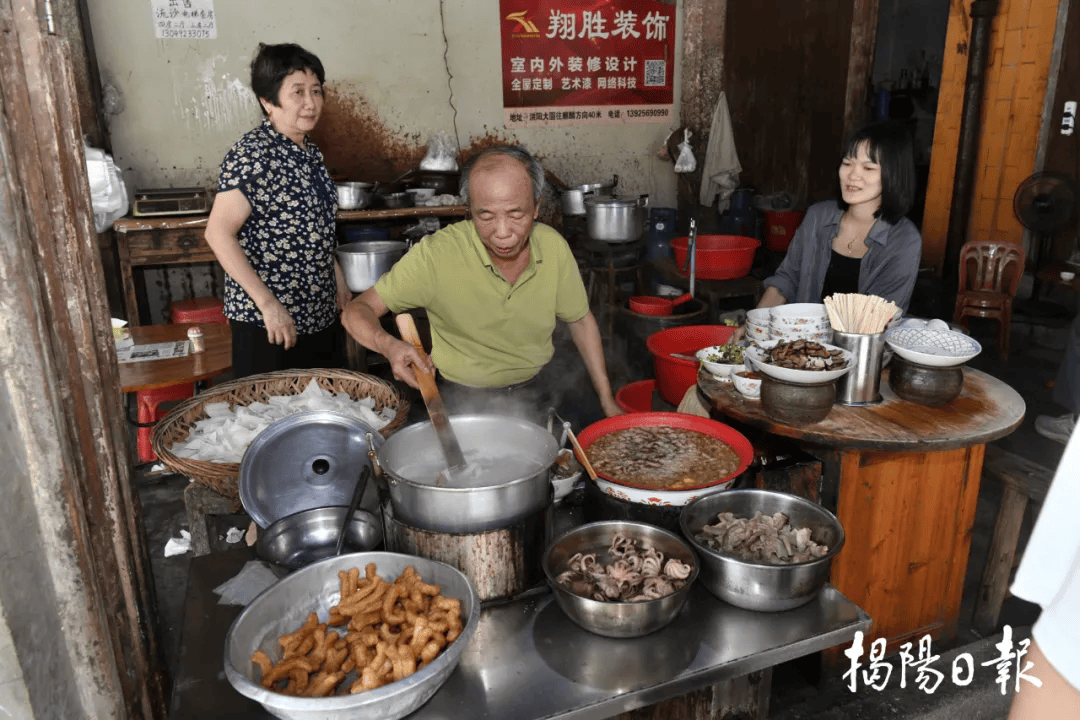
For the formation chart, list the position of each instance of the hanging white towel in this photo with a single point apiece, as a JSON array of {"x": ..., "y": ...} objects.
[{"x": 720, "y": 171}]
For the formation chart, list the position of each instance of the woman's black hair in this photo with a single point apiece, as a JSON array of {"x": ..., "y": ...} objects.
[
  {"x": 274, "y": 63},
  {"x": 889, "y": 145}
]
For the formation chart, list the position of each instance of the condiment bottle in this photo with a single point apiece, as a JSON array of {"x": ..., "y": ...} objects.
[{"x": 195, "y": 336}]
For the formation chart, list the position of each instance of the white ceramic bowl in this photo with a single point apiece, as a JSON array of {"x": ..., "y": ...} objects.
[
  {"x": 421, "y": 194},
  {"x": 1067, "y": 276},
  {"x": 759, "y": 316},
  {"x": 788, "y": 321},
  {"x": 564, "y": 485},
  {"x": 799, "y": 377},
  {"x": 935, "y": 348},
  {"x": 750, "y": 388},
  {"x": 799, "y": 311},
  {"x": 722, "y": 371},
  {"x": 818, "y": 336},
  {"x": 760, "y": 332}
]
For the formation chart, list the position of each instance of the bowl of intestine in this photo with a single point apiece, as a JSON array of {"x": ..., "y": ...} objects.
[
  {"x": 620, "y": 578},
  {"x": 762, "y": 550}
]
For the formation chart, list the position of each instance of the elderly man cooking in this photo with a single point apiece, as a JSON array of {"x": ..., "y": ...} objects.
[{"x": 493, "y": 287}]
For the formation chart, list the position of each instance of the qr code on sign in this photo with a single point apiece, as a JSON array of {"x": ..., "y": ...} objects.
[{"x": 655, "y": 73}]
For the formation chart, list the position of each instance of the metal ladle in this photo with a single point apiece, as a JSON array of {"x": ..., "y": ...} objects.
[{"x": 354, "y": 504}]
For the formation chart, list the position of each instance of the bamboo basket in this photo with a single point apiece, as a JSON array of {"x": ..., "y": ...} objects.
[{"x": 222, "y": 477}]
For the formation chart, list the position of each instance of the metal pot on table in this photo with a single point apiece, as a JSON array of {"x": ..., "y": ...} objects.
[
  {"x": 573, "y": 199},
  {"x": 616, "y": 220},
  {"x": 353, "y": 195},
  {"x": 366, "y": 261},
  {"x": 507, "y": 477}
]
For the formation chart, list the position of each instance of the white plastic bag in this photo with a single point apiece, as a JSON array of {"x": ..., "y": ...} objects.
[
  {"x": 441, "y": 153},
  {"x": 686, "y": 161},
  {"x": 108, "y": 194}
]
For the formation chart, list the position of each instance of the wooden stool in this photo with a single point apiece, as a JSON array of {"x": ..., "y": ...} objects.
[{"x": 1021, "y": 481}]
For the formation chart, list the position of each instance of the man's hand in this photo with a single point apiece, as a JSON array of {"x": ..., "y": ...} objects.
[
  {"x": 739, "y": 334},
  {"x": 402, "y": 357},
  {"x": 280, "y": 328}
]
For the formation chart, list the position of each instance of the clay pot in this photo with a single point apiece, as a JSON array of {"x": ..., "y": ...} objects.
[
  {"x": 795, "y": 404},
  {"x": 924, "y": 384}
]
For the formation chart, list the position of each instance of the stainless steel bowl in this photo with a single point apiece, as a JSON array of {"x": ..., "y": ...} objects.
[
  {"x": 311, "y": 535},
  {"x": 366, "y": 261},
  {"x": 282, "y": 608},
  {"x": 617, "y": 619},
  {"x": 353, "y": 195},
  {"x": 757, "y": 586}
]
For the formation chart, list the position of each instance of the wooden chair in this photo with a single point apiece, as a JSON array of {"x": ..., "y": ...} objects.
[{"x": 989, "y": 275}]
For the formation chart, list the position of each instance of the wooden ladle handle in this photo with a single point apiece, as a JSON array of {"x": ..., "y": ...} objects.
[{"x": 424, "y": 379}]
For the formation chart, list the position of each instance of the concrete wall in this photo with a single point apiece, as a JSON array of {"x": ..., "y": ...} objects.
[{"x": 177, "y": 105}]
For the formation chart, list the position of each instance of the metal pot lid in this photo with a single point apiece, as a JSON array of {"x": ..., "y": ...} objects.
[
  {"x": 613, "y": 202},
  {"x": 304, "y": 461}
]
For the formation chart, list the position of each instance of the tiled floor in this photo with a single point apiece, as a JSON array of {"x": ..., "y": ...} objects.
[{"x": 1036, "y": 352}]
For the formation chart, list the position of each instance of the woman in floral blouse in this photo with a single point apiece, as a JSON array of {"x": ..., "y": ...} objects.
[{"x": 272, "y": 226}]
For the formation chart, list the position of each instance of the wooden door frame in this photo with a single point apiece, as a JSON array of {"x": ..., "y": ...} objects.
[{"x": 77, "y": 593}]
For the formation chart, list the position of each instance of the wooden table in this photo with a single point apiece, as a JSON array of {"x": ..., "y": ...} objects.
[
  {"x": 150, "y": 374},
  {"x": 903, "y": 479},
  {"x": 145, "y": 241}
]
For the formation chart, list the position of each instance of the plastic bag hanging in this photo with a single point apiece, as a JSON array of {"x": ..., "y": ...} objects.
[
  {"x": 686, "y": 161},
  {"x": 441, "y": 153},
  {"x": 108, "y": 194}
]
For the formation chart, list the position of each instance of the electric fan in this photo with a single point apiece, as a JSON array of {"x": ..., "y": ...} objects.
[{"x": 1044, "y": 203}]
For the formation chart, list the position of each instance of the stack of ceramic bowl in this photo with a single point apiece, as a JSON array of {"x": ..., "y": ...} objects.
[
  {"x": 757, "y": 325},
  {"x": 800, "y": 321}
]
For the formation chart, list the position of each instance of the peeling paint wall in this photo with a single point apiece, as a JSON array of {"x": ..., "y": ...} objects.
[{"x": 396, "y": 72}]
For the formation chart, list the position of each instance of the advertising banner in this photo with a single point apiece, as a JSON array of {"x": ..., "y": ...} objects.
[{"x": 598, "y": 62}]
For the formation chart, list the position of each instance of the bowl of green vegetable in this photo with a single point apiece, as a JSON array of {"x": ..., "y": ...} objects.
[{"x": 721, "y": 360}]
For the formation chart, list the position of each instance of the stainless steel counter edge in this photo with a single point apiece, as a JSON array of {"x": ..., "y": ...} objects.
[{"x": 528, "y": 661}]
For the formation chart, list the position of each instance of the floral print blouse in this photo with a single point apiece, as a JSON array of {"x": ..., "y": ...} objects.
[{"x": 289, "y": 237}]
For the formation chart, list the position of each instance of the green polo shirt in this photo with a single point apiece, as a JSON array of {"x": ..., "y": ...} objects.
[{"x": 485, "y": 332}]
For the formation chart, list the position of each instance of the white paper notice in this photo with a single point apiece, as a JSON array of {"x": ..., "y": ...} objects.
[
  {"x": 153, "y": 351},
  {"x": 184, "y": 19}
]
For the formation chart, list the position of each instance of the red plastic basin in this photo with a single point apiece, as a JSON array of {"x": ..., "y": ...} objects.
[
  {"x": 719, "y": 257},
  {"x": 735, "y": 439},
  {"x": 674, "y": 376},
  {"x": 636, "y": 396}
]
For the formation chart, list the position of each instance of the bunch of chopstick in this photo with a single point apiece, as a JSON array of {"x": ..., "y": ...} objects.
[{"x": 861, "y": 314}]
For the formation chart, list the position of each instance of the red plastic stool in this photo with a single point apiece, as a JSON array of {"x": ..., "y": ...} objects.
[
  {"x": 197, "y": 310},
  {"x": 149, "y": 402}
]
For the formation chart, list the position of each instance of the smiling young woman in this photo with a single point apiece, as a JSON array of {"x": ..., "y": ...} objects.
[{"x": 861, "y": 241}]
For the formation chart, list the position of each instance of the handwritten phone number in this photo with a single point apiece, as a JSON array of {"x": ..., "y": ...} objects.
[
  {"x": 201, "y": 34},
  {"x": 648, "y": 113}
]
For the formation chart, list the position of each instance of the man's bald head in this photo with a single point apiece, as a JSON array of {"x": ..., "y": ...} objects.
[{"x": 497, "y": 154}]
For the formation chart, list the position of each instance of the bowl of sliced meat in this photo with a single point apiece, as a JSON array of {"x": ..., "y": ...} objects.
[
  {"x": 762, "y": 549},
  {"x": 664, "y": 458}
]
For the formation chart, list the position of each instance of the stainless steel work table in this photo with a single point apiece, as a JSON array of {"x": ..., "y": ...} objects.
[{"x": 527, "y": 660}]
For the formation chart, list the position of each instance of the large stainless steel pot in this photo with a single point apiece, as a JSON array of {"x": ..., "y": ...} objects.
[
  {"x": 573, "y": 199},
  {"x": 614, "y": 220},
  {"x": 366, "y": 261},
  {"x": 491, "y": 444}
]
